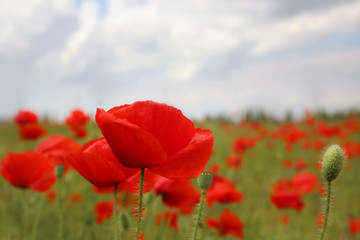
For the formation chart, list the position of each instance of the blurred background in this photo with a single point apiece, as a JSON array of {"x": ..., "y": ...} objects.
[{"x": 204, "y": 57}]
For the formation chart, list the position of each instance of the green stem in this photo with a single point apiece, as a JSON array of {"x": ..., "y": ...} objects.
[
  {"x": 199, "y": 214},
  {"x": 26, "y": 214},
  {"x": 138, "y": 227},
  {"x": 60, "y": 233},
  {"x": 116, "y": 223},
  {"x": 326, "y": 210},
  {"x": 37, "y": 218}
]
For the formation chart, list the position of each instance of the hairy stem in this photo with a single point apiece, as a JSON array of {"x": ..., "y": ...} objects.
[
  {"x": 60, "y": 212},
  {"x": 116, "y": 223},
  {"x": 26, "y": 214},
  {"x": 199, "y": 214},
  {"x": 37, "y": 218},
  {"x": 138, "y": 226},
  {"x": 327, "y": 207}
]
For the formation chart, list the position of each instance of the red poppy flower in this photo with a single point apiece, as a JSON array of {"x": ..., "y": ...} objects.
[
  {"x": 28, "y": 170},
  {"x": 234, "y": 162},
  {"x": 156, "y": 136},
  {"x": 79, "y": 131},
  {"x": 304, "y": 182},
  {"x": 241, "y": 144},
  {"x": 228, "y": 223},
  {"x": 97, "y": 164},
  {"x": 222, "y": 190},
  {"x": 286, "y": 163},
  {"x": 75, "y": 197},
  {"x": 31, "y": 131},
  {"x": 354, "y": 226},
  {"x": 320, "y": 220},
  {"x": 300, "y": 164},
  {"x": 287, "y": 199},
  {"x": 171, "y": 218},
  {"x": 329, "y": 131},
  {"x": 178, "y": 193},
  {"x": 58, "y": 147},
  {"x": 77, "y": 117},
  {"x": 214, "y": 168},
  {"x": 103, "y": 210},
  {"x": 51, "y": 195},
  {"x": 25, "y": 117},
  {"x": 285, "y": 219}
]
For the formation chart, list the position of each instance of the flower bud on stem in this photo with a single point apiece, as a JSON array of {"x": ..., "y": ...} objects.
[
  {"x": 204, "y": 182},
  {"x": 332, "y": 165}
]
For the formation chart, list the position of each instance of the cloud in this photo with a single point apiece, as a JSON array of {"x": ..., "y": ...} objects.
[{"x": 204, "y": 57}]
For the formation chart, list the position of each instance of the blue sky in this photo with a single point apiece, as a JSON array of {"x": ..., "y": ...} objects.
[{"x": 204, "y": 57}]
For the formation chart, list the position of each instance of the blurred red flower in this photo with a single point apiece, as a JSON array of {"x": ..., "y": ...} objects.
[
  {"x": 51, "y": 195},
  {"x": 74, "y": 197},
  {"x": 354, "y": 226},
  {"x": 31, "y": 131},
  {"x": 103, "y": 210},
  {"x": 228, "y": 223},
  {"x": 328, "y": 131},
  {"x": 215, "y": 168},
  {"x": 234, "y": 162},
  {"x": 222, "y": 190},
  {"x": 178, "y": 193},
  {"x": 25, "y": 117},
  {"x": 241, "y": 144},
  {"x": 285, "y": 219},
  {"x": 77, "y": 117},
  {"x": 77, "y": 121},
  {"x": 304, "y": 182},
  {"x": 58, "y": 147},
  {"x": 170, "y": 218},
  {"x": 320, "y": 220},
  {"x": 287, "y": 199},
  {"x": 156, "y": 136},
  {"x": 97, "y": 164},
  {"x": 28, "y": 170},
  {"x": 300, "y": 164},
  {"x": 286, "y": 163}
]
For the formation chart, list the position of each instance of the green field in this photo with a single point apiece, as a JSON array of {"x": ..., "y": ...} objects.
[{"x": 262, "y": 167}]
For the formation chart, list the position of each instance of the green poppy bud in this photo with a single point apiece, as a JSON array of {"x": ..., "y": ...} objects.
[
  {"x": 333, "y": 162},
  {"x": 204, "y": 180},
  {"x": 125, "y": 221},
  {"x": 59, "y": 170}
]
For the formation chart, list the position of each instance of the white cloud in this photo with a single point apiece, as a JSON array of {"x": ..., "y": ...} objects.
[
  {"x": 305, "y": 28},
  {"x": 203, "y": 56}
]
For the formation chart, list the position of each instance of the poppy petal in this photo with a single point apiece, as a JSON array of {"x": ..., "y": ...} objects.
[
  {"x": 89, "y": 165},
  {"x": 173, "y": 130},
  {"x": 189, "y": 162},
  {"x": 133, "y": 146}
]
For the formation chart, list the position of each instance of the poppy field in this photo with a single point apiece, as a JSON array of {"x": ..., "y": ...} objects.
[{"x": 133, "y": 172}]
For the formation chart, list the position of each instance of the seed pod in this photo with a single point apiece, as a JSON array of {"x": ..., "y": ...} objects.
[
  {"x": 125, "y": 221},
  {"x": 204, "y": 180},
  {"x": 59, "y": 170},
  {"x": 333, "y": 162}
]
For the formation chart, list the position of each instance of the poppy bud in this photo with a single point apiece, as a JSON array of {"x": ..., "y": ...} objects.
[
  {"x": 125, "y": 221},
  {"x": 204, "y": 180},
  {"x": 59, "y": 170},
  {"x": 332, "y": 163}
]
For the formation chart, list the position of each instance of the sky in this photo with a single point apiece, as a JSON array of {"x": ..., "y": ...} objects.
[{"x": 205, "y": 57}]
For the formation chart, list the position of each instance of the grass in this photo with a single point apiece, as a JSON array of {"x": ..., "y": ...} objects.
[{"x": 261, "y": 168}]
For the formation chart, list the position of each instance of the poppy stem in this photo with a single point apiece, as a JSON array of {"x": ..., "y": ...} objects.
[
  {"x": 60, "y": 233},
  {"x": 138, "y": 227},
  {"x": 37, "y": 218},
  {"x": 199, "y": 213},
  {"x": 326, "y": 210},
  {"x": 26, "y": 214},
  {"x": 116, "y": 232}
]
